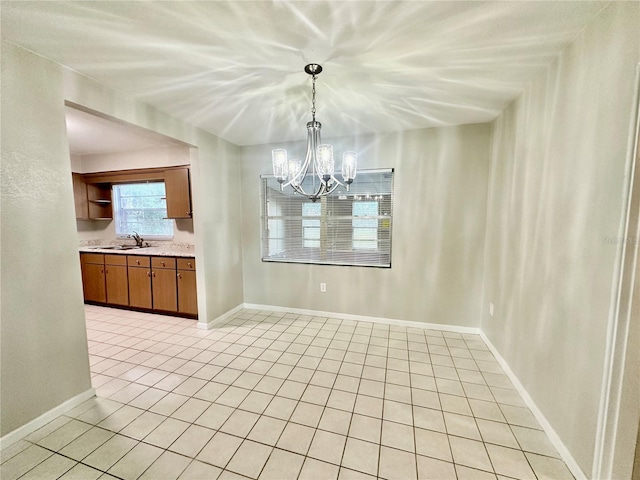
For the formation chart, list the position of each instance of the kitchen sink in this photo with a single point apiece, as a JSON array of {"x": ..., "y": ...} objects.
[{"x": 121, "y": 247}]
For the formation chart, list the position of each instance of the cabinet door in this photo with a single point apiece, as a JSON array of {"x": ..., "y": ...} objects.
[
  {"x": 187, "y": 294},
  {"x": 165, "y": 296},
  {"x": 80, "y": 197},
  {"x": 117, "y": 288},
  {"x": 140, "y": 287},
  {"x": 93, "y": 283},
  {"x": 178, "y": 192}
]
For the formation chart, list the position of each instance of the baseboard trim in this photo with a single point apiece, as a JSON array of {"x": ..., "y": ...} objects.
[
  {"x": 209, "y": 325},
  {"x": 544, "y": 423},
  {"x": 21, "y": 432},
  {"x": 365, "y": 318}
]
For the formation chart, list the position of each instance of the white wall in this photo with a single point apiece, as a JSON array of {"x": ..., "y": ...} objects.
[
  {"x": 147, "y": 158},
  {"x": 43, "y": 337},
  {"x": 555, "y": 205},
  {"x": 438, "y": 232}
]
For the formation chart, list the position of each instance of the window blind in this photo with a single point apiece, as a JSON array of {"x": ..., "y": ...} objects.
[{"x": 344, "y": 228}]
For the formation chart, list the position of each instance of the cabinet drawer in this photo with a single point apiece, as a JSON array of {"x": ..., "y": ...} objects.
[
  {"x": 92, "y": 258},
  {"x": 163, "y": 262},
  {"x": 186, "y": 263},
  {"x": 138, "y": 261},
  {"x": 115, "y": 259}
]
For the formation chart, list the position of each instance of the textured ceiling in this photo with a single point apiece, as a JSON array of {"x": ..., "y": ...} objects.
[{"x": 235, "y": 68}]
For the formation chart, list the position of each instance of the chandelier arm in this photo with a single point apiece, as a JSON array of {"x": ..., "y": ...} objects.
[
  {"x": 299, "y": 190},
  {"x": 336, "y": 185},
  {"x": 317, "y": 141},
  {"x": 305, "y": 166}
]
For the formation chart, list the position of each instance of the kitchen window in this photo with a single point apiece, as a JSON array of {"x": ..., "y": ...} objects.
[
  {"x": 345, "y": 228},
  {"x": 142, "y": 208}
]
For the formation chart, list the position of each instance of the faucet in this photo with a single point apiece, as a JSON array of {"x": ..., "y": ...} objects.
[{"x": 137, "y": 238}]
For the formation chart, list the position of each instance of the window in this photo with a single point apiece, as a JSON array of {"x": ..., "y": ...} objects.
[
  {"x": 276, "y": 227},
  {"x": 141, "y": 207},
  {"x": 344, "y": 228},
  {"x": 365, "y": 225},
  {"x": 311, "y": 213}
]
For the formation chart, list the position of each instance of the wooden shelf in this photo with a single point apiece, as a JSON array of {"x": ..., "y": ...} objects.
[{"x": 99, "y": 195}]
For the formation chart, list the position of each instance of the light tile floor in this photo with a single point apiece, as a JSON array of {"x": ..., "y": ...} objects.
[{"x": 284, "y": 396}]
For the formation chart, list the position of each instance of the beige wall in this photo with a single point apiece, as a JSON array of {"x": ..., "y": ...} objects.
[
  {"x": 44, "y": 347},
  {"x": 43, "y": 337},
  {"x": 438, "y": 232},
  {"x": 147, "y": 158},
  {"x": 217, "y": 194},
  {"x": 215, "y": 187},
  {"x": 555, "y": 206}
]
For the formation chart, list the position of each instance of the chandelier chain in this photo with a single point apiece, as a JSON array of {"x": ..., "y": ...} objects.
[{"x": 313, "y": 99}]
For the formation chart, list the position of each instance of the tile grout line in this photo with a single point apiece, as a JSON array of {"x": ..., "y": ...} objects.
[{"x": 235, "y": 323}]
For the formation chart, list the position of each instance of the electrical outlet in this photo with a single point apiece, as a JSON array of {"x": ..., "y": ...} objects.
[
  {"x": 323, "y": 287},
  {"x": 491, "y": 309}
]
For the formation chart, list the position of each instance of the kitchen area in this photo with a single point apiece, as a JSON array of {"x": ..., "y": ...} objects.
[{"x": 134, "y": 217}]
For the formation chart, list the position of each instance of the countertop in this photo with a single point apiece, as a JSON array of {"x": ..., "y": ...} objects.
[{"x": 155, "y": 251}]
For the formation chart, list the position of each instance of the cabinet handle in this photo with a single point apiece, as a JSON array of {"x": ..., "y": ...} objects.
[
  {"x": 106, "y": 270},
  {"x": 163, "y": 264},
  {"x": 189, "y": 263},
  {"x": 153, "y": 273},
  {"x": 148, "y": 274},
  {"x": 179, "y": 276},
  {"x": 138, "y": 262},
  {"x": 102, "y": 270}
]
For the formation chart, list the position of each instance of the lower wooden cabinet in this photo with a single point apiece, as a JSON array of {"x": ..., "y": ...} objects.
[
  {"x": 140, "y": 287},
  {"x": 187, "y": 293},
  {"x": 115, "y": 269},
  {"x": 163, "y": 284},
  {"x": 165, "y": 295},
  {"x": 93, "y": 280}
]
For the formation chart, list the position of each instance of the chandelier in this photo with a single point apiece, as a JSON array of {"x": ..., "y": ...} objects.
[{"x": 318, "y": 161}]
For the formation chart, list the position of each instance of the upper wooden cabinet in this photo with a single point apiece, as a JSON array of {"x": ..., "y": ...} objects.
[
  {"x": 92, "y": 191},
  {"x": 80, "y": 196},
  {"x": 178, "y": 191},
  {"x": 99, "y": 199},
  {"x": 92, "y": 200}
]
